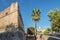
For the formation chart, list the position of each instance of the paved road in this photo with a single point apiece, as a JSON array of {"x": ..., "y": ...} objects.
[
  {"x": 46, "y": 37},
  {"x": 38, "y": 37}
]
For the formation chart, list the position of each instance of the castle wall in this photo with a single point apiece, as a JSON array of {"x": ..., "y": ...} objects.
[
  {"x": 10, "y": 15},
  {"x": 12, "y": 35}
]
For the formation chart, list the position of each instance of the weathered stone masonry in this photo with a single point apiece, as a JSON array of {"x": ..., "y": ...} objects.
[{"x": 11, "y": 15}]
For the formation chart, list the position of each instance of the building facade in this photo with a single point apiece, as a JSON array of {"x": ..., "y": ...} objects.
[{"x": 9, "y": 16}]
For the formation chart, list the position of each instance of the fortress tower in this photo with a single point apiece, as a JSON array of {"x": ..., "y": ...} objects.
[{"x": 11, "y": 15}]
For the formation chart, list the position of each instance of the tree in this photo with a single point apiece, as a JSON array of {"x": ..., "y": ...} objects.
[
  {"x": 36, "y": 16},
  {"x": 39, "y": 31},
  {"x": 55, "y": 19},
  {"x": 47, "y": 31},
  {"x": 31, "y": 30}
]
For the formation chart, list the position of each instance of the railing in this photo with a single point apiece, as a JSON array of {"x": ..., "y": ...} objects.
[
  {"x": 53, "y": 38},
  {"x": 46, "y": 37}
]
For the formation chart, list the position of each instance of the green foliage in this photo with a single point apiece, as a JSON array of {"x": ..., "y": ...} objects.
[
  {"x": 47, "y": 31},
  {"x": 36, "y": 14},
  {"x": 31, "y": 30},
  {"x": 39, "y": 32},
  {"x": 55, "y": 19}
]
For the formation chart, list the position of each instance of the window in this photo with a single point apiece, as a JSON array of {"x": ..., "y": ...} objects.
[{"x": 6, "y": 13}]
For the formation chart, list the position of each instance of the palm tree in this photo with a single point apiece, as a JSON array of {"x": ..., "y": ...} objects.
[{"x": 36, "y": 17}]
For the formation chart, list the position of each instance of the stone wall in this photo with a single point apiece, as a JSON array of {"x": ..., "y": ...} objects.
[
  {"x": 11, "y": 15},
  {"x": 12, "y": 35}
]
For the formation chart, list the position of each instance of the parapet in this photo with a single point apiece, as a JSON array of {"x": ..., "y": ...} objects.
[{"x": 13, "y": 7}]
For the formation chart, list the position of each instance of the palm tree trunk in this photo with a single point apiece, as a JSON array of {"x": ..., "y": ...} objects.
[{"x": 35, "y": 30}]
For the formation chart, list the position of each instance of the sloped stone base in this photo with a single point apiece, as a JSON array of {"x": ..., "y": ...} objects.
[{"x": 12, "y": 35}]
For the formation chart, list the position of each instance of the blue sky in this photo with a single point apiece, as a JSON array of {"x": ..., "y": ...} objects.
[{"x": 26, "y": 7}]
